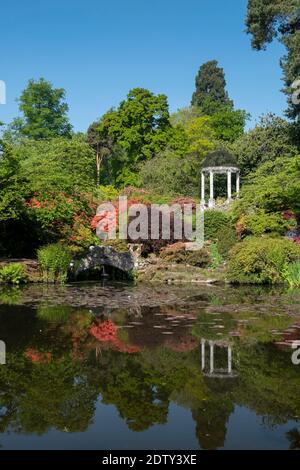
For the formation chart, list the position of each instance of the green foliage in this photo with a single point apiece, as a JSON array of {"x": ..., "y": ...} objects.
[
  {"x": 200, "y": 258},
  {"x": 106, "y": 193},
  {"x": 134, "y": 132},
  {"x": 228, "y": 124},
  {"x": 270, "y": 139},
  {"x": 262, "y": 222},
  {"x": 13, "y": 273},
  {"x": 273, "y": 187},
  {"x": 54, "y": 313},
  {"x": 216, "y": 257},
  {"x": 267, "y": 20},
  {"x": 226, "y": 239},
  {"x": 210, "y": 93},
  {"x": 11, "y": 191},
  {"x": 291, "y": 274},
  {"x": 169, "y": 174},
  {"x": 61, "y": 165},
  {"x": 54, "y": 261},
  {"x": 214, "y": 221},
  {"x": 44, "y": 111},
  {"x": 10, "y": 295},
  {"x": 261, "y": 260},
  {"x": 44, "y": 189}
]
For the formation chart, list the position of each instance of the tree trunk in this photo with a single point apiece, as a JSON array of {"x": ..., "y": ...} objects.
[{"x": 98, "y": 166}]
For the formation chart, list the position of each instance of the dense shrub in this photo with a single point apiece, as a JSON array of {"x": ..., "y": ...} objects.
[
  {"x": 261, "y": 260},
  {"x": 226, "y": 239},
  {"x": 200, "y": 258},
  {"x": 106, "y": 193},
  {"x": 13, "y": 273},
  {"x": 261, "y": 222},
  {"x": 214, "y": 221},
  {"x": 54, "y": 261},
  {"x": 177, "y": 253}
]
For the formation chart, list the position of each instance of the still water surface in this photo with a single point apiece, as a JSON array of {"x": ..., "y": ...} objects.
[{"x": 94, "y": 366}]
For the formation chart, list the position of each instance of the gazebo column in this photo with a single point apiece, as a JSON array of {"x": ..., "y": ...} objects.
[
  {"x": 202, "y": 354},
  {"x": 238, "y": 184},
  {"x": 202, "y": 188},
  {"x": 211, "y": 202},
  {"x": 229, "y": 192}
]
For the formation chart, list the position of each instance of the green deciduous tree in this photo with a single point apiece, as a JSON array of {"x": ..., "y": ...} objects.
[
  {"x": 56, "y": 165},
  {"x": 271, "y": 138},
  {"x": 44, "y": 112},
  {"x": 228, "y": 124},
  {"x": 139, "y": 128}
]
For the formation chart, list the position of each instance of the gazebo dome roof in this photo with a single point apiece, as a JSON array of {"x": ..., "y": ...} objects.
[{"x": 220, "y": 158}]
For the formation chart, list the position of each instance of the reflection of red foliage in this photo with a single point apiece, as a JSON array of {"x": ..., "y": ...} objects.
[
  {"x": 107, "y": 332},
  {"x": 186, "y": 345},
  {"x": 36, "y": 356}
]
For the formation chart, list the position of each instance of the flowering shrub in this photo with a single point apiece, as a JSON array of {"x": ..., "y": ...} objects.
[{"x": 107, "y": 221}]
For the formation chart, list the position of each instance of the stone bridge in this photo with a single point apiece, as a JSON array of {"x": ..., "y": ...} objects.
[{"x": 98, "y": 256}]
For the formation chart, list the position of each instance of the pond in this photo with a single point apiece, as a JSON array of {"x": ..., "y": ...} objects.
[{"x": 101, "y": 366}]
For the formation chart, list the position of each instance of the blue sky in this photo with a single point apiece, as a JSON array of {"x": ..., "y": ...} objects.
[{"x": 98, "y": 49}]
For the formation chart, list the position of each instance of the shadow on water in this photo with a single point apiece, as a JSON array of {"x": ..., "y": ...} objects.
[{"x": 123, "y": 366}]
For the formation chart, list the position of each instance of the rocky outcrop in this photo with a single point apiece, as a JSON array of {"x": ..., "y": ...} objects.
[{"x": 98, "y": 256}]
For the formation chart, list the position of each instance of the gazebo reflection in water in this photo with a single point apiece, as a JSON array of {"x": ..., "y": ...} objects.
[{"x": 211, "y": 370}]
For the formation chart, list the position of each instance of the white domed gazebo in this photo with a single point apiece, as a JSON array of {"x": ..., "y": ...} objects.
[{"x": 219, "y": 162}]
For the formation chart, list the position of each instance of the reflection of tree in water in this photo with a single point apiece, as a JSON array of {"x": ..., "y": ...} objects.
[
  {"x": 139, "y": 399},
  {"x": 37, "y": 397},
  {"x": 294, "y": 438},
  {"x": 62, "y": 393},
  {"x": 211, "y": 421},
  {"x": 268, "y": 383}
]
